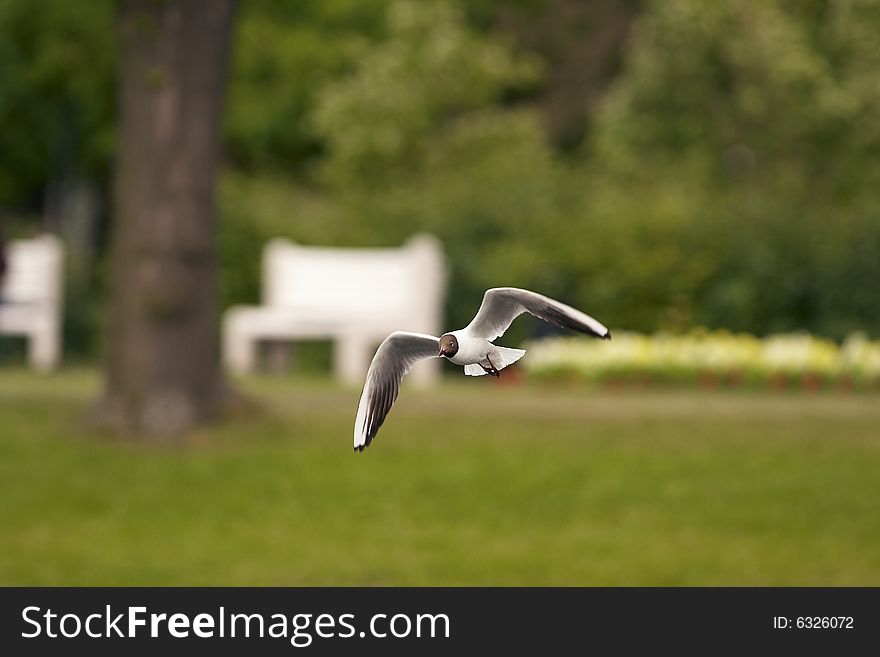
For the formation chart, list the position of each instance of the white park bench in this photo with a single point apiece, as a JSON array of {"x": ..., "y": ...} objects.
[
  {"x": 31, "y": 297},
  {"x": 355, "y": 297}
]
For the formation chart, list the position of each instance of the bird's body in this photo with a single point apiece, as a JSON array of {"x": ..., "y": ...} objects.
[
  {"x": 471, "y": 350},
  {"x": 470, "y": 347},
  {"x": 479, "y": 356}
]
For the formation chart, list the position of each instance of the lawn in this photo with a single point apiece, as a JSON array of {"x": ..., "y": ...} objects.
[{"x": 471, "y": 483}]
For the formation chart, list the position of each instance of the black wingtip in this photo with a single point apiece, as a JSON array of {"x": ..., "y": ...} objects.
[
  {"x": 607, "y": 336},
  {"x": 366, "y": 443}
]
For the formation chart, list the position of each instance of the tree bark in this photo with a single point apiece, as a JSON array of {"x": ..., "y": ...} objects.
[{"x": 162, "y": 373}]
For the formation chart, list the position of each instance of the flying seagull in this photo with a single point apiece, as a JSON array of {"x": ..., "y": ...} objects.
[{"x": 471, "y": 346}]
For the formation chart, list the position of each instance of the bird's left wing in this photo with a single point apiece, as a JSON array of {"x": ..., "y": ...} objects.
[
  {"x": 501, "y": 305},
  {"x": 394, "y": 358}
]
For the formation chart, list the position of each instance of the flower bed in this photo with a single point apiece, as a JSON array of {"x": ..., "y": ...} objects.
[{"x": 709, "y": 358}]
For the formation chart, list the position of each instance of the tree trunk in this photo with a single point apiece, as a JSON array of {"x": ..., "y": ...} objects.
[{"x": 162, "y": 370}]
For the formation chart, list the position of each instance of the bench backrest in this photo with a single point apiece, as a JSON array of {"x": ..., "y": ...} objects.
[
  {"x": 33, "y": 273},
  {"x": 356, "y": 285}
]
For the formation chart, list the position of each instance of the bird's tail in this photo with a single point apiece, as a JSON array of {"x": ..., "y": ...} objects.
[
  {"x": 506, "y": 356},
  {"x": 509, "y": 356}
]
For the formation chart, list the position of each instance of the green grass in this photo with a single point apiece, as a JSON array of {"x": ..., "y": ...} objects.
[{"x": 473, "y": 483}]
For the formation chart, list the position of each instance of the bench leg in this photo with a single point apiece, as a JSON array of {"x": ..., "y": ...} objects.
[
  {"x": 351, "y": 358},
  {"x": 44, "y": 348},
  {"x": 239, "y": 351}
]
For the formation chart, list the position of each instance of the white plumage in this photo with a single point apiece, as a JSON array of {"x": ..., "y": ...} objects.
[{"x": 471, "y": 347}]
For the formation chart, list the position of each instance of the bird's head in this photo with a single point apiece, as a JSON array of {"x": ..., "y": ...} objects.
[{"x": 448, "y": 345}]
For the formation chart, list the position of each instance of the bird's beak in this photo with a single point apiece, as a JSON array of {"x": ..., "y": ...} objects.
[{"x": 442, "y": 353}]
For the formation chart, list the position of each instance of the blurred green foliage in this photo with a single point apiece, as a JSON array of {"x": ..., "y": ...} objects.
[
  {"x": 751, "y": 131},
  {"x": 284, "y": 52},
  {"x": 57, "y": 66},
  {"x": 720, "y": 168}
]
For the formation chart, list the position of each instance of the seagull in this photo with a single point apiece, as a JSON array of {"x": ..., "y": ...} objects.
[{"x": 471, "y": 347}]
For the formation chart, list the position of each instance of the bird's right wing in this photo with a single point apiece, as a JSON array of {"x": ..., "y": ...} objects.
[
  {"x": 394, "y": 358},
  {"x": 502, "y": 305}
]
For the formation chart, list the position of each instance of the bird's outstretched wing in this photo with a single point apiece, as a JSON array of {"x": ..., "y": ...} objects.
[
  {"x": 501, "y": 305},
  {"x": 394, "y": 358}
]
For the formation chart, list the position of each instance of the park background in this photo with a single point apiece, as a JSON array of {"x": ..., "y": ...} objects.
[{"x": 677, "y": 168}]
